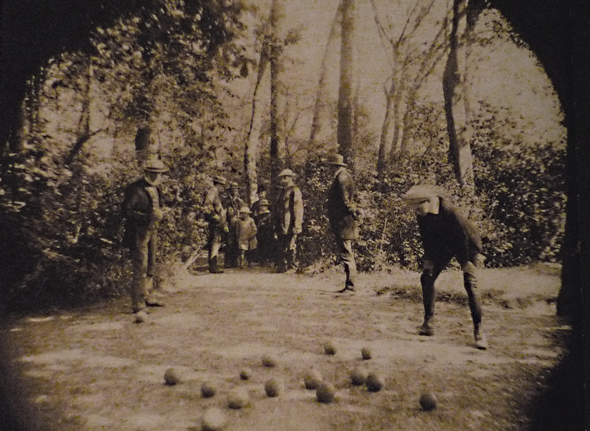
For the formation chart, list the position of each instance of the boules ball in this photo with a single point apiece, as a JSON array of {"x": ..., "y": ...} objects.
[
  {"x": 140, "y": 317},
  {"x": 325, "y": 392},
  {"x": 213, "y": 420},
  {"x": 428, "y": 401},
  {"x": 312, "y": 379},
  {"x": 366, "y": 353},
  {"x": 358, "y": 376},
  {"x": 238, "y": 398},
  {"x": 171, "y": 377},
  {"x": 274, "y": 387},
  {"x": 374, "y": 382},
  {"x": 329, "y": 348},
  {"x": 269, "y": 361},
  {"x": 246, "y": 374},
  {"x": 208, "y": 390}
]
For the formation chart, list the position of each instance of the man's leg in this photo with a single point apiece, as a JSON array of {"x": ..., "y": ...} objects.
[
  {"x": 214, "y": 245},
  {"x": 346, "y": 256},
  {"x": 291, "y": 253},
  {"x": 150, "y": 299},
  {"x": 427, "y": 280},
  {"x": 470, "y": 283},
  {"x": 139, "y": 263}
]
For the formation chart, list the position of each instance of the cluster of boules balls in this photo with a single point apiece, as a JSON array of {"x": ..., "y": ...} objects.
[{"x": 215, "y": 420}]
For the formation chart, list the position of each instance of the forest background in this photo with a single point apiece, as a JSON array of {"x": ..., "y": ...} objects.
[{"x": 242, "y": 89}]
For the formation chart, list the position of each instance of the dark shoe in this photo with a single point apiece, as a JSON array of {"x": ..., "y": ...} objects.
[
  {"x": 426, "y": 329},
  {"x": 154, "y": 303},
  {"x": 347, "y": 289},
  {"x": 140, "y": 316}
]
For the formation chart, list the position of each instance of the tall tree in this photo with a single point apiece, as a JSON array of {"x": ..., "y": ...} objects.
[
  {"x": 276, "y": 16},
  {"x": 455, "y": 91},
  {"x": 316, "y": 121},
  {"x": 345, "y": 97}
]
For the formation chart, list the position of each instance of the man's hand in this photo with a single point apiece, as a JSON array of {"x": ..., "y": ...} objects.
[
  {"x": 468, "y": 267},
  {"x": 296, "y": 231},
  {"x": 157, "y": 215},
  {"x": 225, "y": 229}
]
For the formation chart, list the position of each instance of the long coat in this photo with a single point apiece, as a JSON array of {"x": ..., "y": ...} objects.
[
  {"x": 341, "y": 208},
  {"x": 138, "y": 208},
  {"x": 289, "y": 211}
]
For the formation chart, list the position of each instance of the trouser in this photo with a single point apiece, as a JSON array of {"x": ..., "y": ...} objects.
[
  {"x": 346, "y": 256},
  {"x": 213, "y": 246},
  {"x": 287, "y": 256},
  {"x": 143, "y": 261},
  {"x": 428, "y": 278}
]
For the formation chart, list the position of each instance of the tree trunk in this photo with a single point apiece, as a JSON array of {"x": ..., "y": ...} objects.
[
  {"x": 275, "y": 53},
  {"x": 454, "y": 97},
  {"x": 251, "y": 147},
  {"x": 346, "y": 76},
  {"x": 381, "y": 164},
  {"x": 316, "y": 121}
]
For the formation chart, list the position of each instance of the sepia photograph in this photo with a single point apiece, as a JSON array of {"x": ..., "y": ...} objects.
[{"x": 294, "y": 215}]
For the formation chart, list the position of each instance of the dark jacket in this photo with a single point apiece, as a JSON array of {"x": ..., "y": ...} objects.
[
  {"x": 341, "y": 208},
  {"x": 448, "y": 234},
  {"x": 138, "y": 209}
]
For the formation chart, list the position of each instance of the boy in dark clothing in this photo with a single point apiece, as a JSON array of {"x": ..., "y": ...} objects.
[
  {"x": 446, "y": 234},
  {"x": 265, "y": 234}
]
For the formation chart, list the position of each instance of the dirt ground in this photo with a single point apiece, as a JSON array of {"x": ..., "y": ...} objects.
[{"x": 95, "y": 369}]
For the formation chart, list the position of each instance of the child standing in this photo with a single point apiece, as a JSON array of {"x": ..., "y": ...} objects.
[{"x": 245, "y": 234}]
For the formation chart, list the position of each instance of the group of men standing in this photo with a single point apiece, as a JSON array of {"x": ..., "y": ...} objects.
[{"x": 445, "y": 234}]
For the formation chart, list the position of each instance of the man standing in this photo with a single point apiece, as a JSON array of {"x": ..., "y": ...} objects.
[
  {"x": 143, "y": 212},
  {"x": 288, "y": 221},
  {"x": 446, "y": 234},
  {"x": 215, "y": 216},
  {"x": 265, "y": 233},
  {"x": 343, "y": 215}
]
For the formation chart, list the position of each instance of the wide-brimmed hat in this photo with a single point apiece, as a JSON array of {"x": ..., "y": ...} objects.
[
  {"x": 234, "y": 185},
  {"x": 155, "y": 165},
  {"x": 219, "y": 180},
  {"x": 287, "y": 173},
  {"x": 335, "y": 159},
  {"x": 245, "y": 210},
  {"x": 263, "y": 203},
  {"x": 420, "y": 193}
]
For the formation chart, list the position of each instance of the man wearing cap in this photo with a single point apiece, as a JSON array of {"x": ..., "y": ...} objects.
[
  {"x": 288, "y": 221},
  {"x": 343, "y": 215},
  {"x": 216, "y": 217},
  {"x": 446, "y": 234},
  {"x": 142, "y": 208}
]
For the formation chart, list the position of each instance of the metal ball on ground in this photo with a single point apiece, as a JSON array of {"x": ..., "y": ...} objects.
[
  {"x": 246, "y": 374},
  {"x": 358, "y": 376},
  {"x": 325, "y": 392},
  {"x": 366, "y": 353},
  {"x": 274, "y": 387},
  {"x": 208, "y": 389},
  {"x": 171, "y": 377},
  {"x": 269, "y": 361},
  {"x": 238, "y": 398},
  {"x": 329, "y": 348},
  {"x": 374, "y": 382},
  {"x": 312, "y": 379},
  {"x": 428, "y": 401},
  {"x": 213, "y": 420}
]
